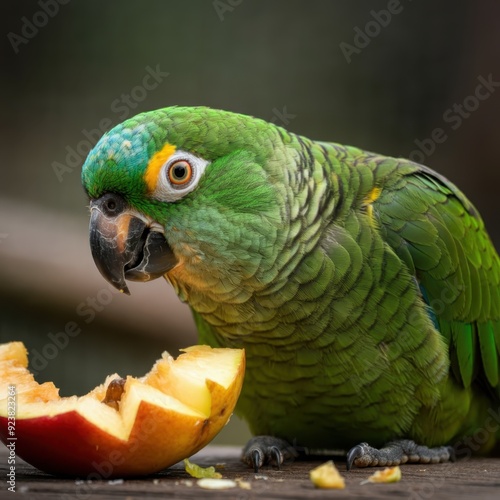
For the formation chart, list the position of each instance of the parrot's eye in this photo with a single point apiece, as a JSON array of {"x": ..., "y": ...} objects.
[
  {"x": 178, "y": 176},
  {"x": 180, "y": 173}
]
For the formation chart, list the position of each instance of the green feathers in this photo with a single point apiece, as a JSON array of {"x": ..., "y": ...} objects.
[
  {"x": 489, "y": 350},
  {"x": 364, "y": 288},
  {"x": 456, "y": 266}
]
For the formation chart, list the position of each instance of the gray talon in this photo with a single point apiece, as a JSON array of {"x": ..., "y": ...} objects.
[
  {"x": 257, "y": 459},
  {"x": 397, "y": 453},
  {"x": 278, "y": 457},
  {"x": 355, "y": 453},
  {"x": 262, "y": 450}
]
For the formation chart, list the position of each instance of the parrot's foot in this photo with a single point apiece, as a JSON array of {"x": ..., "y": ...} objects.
[
  {"x": 261, "y": 450},
  {"x": 396, "y": 453}
]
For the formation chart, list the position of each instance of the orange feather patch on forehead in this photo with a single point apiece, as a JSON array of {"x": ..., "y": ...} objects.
[{"x": 155, "y": 164}]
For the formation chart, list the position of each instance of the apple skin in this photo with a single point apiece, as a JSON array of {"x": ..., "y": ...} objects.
[{"x": 68, "y": 444}]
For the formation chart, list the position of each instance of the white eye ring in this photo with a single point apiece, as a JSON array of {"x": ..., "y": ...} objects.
[{"x": 179, "y": 176}]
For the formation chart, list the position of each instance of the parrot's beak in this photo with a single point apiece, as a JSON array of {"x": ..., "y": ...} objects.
[{"x": 124, "y": 245}]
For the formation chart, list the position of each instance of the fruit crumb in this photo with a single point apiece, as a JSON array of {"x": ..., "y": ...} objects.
[
  {"x": 244, "y": 485},
  {"x": 388, "y": 475},
  {"x": 200, "y": 472},
  {"x": 115, "y": 481},
  {"x": 114, "y": 393},
  {"x": 327, "y": 476},
  {"x": 216, "y": 484}
]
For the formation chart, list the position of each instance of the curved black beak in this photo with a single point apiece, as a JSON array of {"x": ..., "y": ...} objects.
[{"x": 124, "y": 246}]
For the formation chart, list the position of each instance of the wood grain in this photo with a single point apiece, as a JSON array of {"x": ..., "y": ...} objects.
[{"x": 471, "y": 478}]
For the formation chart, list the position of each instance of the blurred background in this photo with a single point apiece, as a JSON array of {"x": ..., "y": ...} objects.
[{"x": 403, "y": 78}]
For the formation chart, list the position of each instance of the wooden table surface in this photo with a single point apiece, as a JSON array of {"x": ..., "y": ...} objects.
[{"x": 477, "y": 478}]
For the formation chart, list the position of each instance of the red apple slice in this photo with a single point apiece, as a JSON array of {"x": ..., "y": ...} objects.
[{"x": 138, "y": 426}]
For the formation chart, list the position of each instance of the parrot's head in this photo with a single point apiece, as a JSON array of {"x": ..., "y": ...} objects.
[{"x": 193, "y": 194}]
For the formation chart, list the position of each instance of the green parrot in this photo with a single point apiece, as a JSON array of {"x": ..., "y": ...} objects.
[{"x": 363, "y": 288}]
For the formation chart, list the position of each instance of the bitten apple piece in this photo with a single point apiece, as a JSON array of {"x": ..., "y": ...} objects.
[{"x": 154, "y": 422}]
